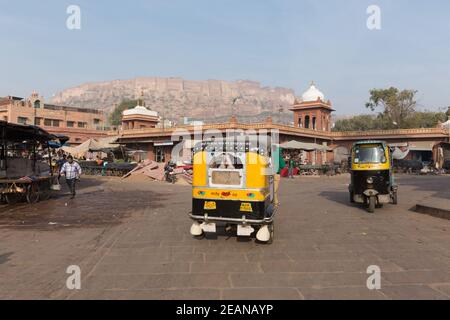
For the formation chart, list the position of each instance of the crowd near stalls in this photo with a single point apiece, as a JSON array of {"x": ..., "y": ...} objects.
[
  {"x": 300, "y": 158},
  {"x": 102, "y": 156},
  {"x": 26, "y": 162}
]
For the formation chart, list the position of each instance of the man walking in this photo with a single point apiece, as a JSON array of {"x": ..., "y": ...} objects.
[{"x": 72, "y": 172}]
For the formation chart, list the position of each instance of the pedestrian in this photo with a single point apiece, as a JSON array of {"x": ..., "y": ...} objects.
[
  {"x": 291, "y": 167},
  {"x": 72, "y": 171}
]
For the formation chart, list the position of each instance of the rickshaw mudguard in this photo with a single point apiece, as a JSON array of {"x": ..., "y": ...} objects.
[{"x": 371, "y": 193}]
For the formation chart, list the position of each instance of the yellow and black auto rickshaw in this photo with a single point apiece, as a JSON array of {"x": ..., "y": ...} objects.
[
  {"x": 372, "y": 182},
  {"x": 233, "y": 186}
]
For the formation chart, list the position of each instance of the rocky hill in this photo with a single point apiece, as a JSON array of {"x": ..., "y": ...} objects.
[{"x": 175, "y": 98}]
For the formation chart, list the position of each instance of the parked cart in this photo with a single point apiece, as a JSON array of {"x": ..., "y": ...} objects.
[{"x": 24, "y": 175}]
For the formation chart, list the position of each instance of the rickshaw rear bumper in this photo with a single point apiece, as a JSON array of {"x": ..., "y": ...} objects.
[{"x": 239, "y": 221}]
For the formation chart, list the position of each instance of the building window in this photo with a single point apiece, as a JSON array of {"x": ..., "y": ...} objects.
[
  {"x": 300, "y": 123},
  {"x": 51, "y": 122},
  {"x": 37, "y": 104},
  {"x": 70, "y": 124},
  {"x": 96, "y": 121},
  {"x": 37, "y": 121},
  {"x": 22, "y": 120},
  {"x": 307, "y": 122},
  {"x": 314, "y": 123},
  {"x": 77, "y": 139},
  {"x": 81, "y": 124}
]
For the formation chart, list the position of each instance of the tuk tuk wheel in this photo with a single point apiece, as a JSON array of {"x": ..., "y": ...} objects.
[
  {"x": 272, "y": 233},
  {"x": 372, "y": 203},
  {"x": 394, "y": 198},
  {"x": 33, "y": 193},
  {"x": 352, "y": 199}
]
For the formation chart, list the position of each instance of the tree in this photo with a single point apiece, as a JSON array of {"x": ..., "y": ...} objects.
[
  {"x": 448, "y": 112},
  {"x": 362, "y": 123},
  {"x": 426, "y": 119},
  {"x": 115, "y": 117},
  {"x": 397, "y": 105}
]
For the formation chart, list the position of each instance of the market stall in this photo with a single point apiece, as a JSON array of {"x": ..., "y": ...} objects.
[
  {"x": 309, "y": 158},
  {"x": 25, "y": 162}
]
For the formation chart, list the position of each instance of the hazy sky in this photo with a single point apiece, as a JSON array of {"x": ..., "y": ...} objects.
[{"x": 279, "y": 43}]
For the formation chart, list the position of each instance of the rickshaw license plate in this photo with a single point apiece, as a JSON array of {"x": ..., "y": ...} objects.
[
  {"x": 246, "y": 207},
  {"x": 210, "y": 205}
]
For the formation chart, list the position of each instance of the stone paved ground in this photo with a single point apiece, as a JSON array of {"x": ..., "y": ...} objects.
[{"x": 131, "y": 240}]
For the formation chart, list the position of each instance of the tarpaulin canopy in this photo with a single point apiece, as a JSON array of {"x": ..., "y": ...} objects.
[
  {"x": 421, "y": 145},
  {"x": 304, "y": 146},
  {"x": 93, "y": 145}
]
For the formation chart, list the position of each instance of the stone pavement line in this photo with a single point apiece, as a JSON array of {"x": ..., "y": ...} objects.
[{"x": 124, "y": 229}]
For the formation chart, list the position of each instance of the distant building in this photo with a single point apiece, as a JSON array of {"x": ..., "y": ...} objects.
[
  {"x": 312, "y": 111},
  {"x": 79, "y": 124},
  {"x": 139, "y": 117},
  {"x": 312, "y": 124}
]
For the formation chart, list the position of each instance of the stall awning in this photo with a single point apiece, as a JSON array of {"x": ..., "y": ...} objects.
[
  {"x": 297, "y": 145},
  {"x": 163, "y": 144},
  {"x": 421, "y": 145}
]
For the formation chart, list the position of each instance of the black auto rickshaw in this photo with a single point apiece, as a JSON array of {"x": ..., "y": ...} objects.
[
  {"x": 233, "y": 185},
  {"x": 372, "y": 181}
]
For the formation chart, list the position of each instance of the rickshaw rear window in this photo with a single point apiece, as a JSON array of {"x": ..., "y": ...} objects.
[
  {"x": 227, "y": 178},
  {"x": 371, "y": 153}
]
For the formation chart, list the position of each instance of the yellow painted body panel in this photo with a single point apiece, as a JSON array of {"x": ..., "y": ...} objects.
[
  {"x": 199, "y": 178},
  {"x": 255, "y": 171},
  {"x": 227, "y": 194}
]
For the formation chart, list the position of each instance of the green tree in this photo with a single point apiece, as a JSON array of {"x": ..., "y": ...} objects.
[
  {"x": 397, "y": 105},
  {"x": 448, "y": 112},
  {"x": 362, "y": 123},
  {"x": 425, "y": 119},
  {"x": 115, "y": 118}
]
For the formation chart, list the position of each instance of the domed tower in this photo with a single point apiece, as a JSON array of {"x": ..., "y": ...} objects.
[{"x": 313, "y": 111}]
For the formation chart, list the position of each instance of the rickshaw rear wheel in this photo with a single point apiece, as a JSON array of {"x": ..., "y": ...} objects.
[
  {"x": 394, "y": 198},
  {"x": 272, "y": 233},
  {"x": 372, "y": 203}
]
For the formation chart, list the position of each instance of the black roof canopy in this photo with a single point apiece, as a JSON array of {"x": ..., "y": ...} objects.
[{"x": 11, "y": 132}]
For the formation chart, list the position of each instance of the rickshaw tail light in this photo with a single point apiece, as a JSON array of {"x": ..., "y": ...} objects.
[
  {"x": 250, "y": 195},
  {"x": 201, "y": 193},
  {"x": 226, "y": 194}
]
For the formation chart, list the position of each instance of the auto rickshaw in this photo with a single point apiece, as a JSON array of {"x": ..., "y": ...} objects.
[
  {"x": 233, "y": 185},
  {"x": 372, "y": 182}
]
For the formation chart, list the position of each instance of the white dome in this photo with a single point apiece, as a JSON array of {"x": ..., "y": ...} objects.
[
  {"x": 312, "y": 94},
  {"x": 446, "y": 125},
  {"x": 140, "y": 110}
]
